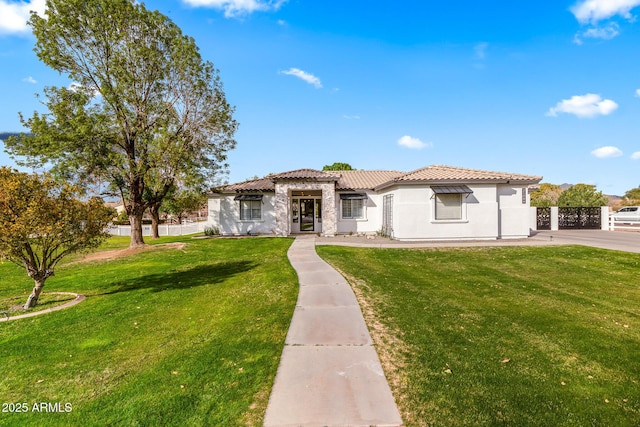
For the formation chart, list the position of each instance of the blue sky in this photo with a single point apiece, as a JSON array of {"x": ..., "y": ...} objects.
[{"x": 549, "y": 88}]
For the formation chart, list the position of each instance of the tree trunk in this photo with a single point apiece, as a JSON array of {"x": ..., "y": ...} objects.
[
  {"x": 136, "y": 230},
  {"x": 35, "y": 294},
  {"x": 155, "y": 220}
]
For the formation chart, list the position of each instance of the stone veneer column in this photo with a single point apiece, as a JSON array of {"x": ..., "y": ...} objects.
[
  {"x": 329, "y": 214},
  {"x": 282, "y": 210},
  {"x": 283, "y": 219}
]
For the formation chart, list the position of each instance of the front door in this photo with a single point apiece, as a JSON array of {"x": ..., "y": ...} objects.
[{"x": 307, "y": 214}]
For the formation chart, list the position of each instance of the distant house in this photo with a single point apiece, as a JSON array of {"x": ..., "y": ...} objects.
[
  {"x": 118, "y": 206},
  {"x": 432, "y": 203}
]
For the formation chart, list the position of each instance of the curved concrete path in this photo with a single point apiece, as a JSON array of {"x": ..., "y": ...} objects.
[
  {"x": 78, "y": 299},
  {"x": 329, "y": 373}
]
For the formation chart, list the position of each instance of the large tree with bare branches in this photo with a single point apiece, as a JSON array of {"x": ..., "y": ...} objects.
[{"x": 144, "y": 112}]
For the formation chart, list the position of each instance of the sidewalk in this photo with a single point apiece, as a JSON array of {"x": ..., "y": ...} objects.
[{"x": 329, "y": 373}]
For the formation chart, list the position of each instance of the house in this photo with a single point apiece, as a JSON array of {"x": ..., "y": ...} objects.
[
  {"x": 117, "y": 206},
  {"x": 432, "y": 203}
]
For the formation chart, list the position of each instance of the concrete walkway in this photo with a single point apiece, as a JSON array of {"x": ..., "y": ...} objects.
[{"x": 329, "y": 373}]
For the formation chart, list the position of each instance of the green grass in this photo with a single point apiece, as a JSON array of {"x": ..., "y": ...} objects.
[
  {"x": 188, "y": 336},
  {"x": 504, "y": 336}
]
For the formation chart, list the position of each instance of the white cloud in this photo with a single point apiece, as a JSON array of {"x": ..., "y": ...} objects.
[
  {"x": 589, "y": 105},
  {"x": 307, "y": 77},
  {"x": 636, "y": 155},
  {"x": 481, "y": 50},
  {"x": 607, "y": 152},
  {"x": 29, "y": 80},
  {"x": 607, "y": 32},
  {"x": 346, "y": 116},
  {"x": 238, "y": 7},
  {"x": 77, "y": 87},
  {"x": 413, "y": 143},
  {"x": 638, "y": 93},
  {"x": 593, "y": 11},
  {"x": 14, "y": 15}
]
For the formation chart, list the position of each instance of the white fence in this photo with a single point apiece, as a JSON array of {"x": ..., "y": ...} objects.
[
  {"x": 618, "y": 225},
  {"x": 607, "y": 221},
  {"x": 163, "y": 229}
]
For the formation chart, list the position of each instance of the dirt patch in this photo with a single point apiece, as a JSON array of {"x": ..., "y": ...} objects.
[{"x": 120, "y": 253}]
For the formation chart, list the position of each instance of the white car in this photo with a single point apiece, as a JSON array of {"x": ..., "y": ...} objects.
[{"x": 627, "y": 214}]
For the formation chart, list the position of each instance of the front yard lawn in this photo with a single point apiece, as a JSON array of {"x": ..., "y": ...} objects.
[
  {"x": 187, "y": 335},
  {"x": 503, "y": 336}
]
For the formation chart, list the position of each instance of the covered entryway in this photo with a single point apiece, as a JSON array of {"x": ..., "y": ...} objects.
[
  {"x": 306, "y": 215},
  {"x": 305, "y": 202}
]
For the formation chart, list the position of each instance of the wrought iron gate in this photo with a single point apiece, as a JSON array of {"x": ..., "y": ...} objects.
[
  {"x": 543, "y": 218},
  {"x": 580, "y": 218}
]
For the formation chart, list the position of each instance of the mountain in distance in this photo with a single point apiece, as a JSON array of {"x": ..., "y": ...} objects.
[
  {"x": 613, "y": 199},
  {"x": 5, "y": 135}
]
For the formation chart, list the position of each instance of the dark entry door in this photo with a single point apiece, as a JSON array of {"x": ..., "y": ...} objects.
[{"x": 306, "y": 214}]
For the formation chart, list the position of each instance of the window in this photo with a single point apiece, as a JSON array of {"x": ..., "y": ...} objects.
[
  {"x": 353, "y": 205},
  {"x": 352, "y": 208},
  {"x": 250, "y": 206},
  {"x": 448, "y": 201},
  {"x": 250, "y": 210},
  {"x": 448, "y": 206}
]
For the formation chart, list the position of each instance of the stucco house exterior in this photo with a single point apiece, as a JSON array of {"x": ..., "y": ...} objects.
[{"x": 431, "y": 203}]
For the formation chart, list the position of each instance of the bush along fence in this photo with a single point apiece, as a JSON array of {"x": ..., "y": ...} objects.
[{"x": 163, "y": 229}]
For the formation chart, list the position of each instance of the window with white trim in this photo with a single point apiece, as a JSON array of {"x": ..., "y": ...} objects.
[
  {"x": 353, "y": 205},
  {"x": 448, "y": 206},
  {"x": 352, "y": 208},
  {"x": 250, "y": 210}
]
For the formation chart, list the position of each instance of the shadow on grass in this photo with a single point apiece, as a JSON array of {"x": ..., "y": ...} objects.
[{"x": 200, "y": 275}]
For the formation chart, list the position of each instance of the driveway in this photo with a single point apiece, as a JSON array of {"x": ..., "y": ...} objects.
[
  {"x": 628, "y": 241},
  {"x": 615, "y": 240}
]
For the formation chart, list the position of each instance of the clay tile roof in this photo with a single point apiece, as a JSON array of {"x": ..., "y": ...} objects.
[
  {"x": 453, "y": 174},
  {"x": 364, "y": 180},
  {"x": 261, "y": 184},
  {"x": 308, "y": 174}
]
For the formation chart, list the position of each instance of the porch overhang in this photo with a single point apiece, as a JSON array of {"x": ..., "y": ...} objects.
[
  {"x": 248, "y": 197},
  {"x": 451, "y": 189},
  {"x": 353, "y": 196}
]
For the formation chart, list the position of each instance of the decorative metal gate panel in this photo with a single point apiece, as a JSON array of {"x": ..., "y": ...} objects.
[
  {"x": 580, "y": 218},
  {"x": 543, "y": 218},
  {"x": 387, "y": 215}
]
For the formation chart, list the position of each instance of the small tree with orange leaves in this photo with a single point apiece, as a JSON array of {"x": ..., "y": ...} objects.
[{"x": 42, "y": 221}]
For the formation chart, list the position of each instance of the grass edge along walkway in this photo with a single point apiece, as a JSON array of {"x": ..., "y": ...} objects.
[
  {"x": 516, "y": 336},
  {"x": 165, "y": 337}
]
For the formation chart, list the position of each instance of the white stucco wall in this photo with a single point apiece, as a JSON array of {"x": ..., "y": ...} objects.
[
  {"x": 224, "y": 214},
  {"x": 372, "y": 221},
  {"x": 414, "y": 215},
  {"x": 515, "y": 216},
  {"x": 490, "y": 212}
]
